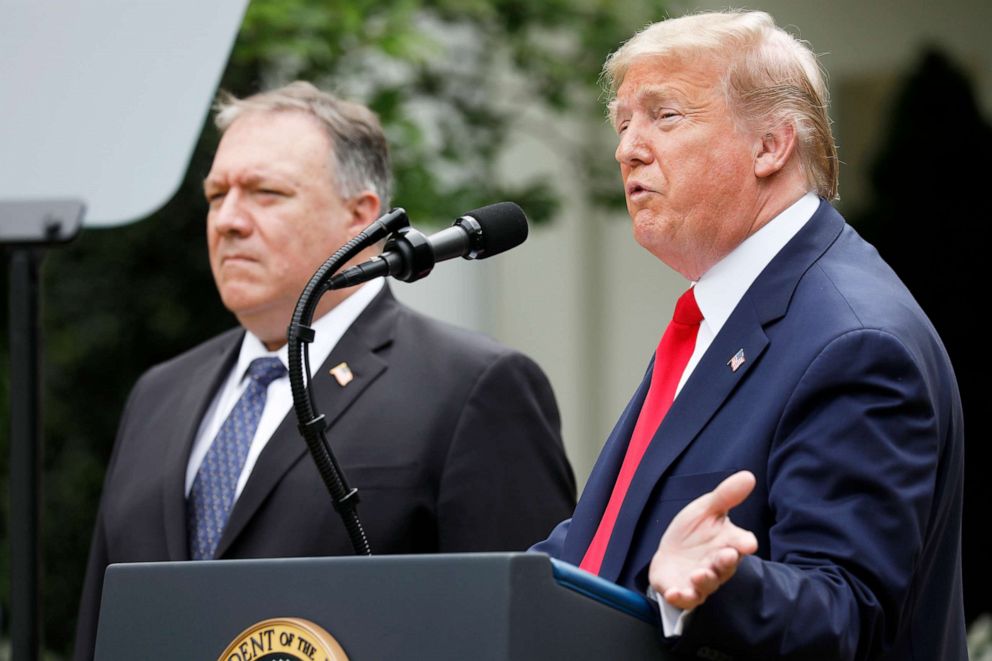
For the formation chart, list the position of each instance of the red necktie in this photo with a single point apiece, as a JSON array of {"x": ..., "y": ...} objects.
[{"x": 670, "y": 359}]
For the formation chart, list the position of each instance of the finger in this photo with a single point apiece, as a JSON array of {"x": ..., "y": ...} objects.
[
  {"x": 715, "y": 504},
  {"x": 725, "y": 563},
  {"x": 743, "y": 541},
  {"x": 737, "y": 538},
  {"x": 684, "y": 598},
  {"x": 727, "y": 495},
  {"x": 705, "y": 582},
  {"x": 731, "y": 492}
]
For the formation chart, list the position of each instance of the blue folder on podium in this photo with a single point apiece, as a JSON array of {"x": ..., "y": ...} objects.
[{"x": 486, "y": 606}]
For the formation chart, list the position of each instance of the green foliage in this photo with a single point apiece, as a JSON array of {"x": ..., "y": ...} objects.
[
  {"x": 454, "y": 81},
  {"x": 980, "y": 639},
  {"x": 450, "y": 79}
]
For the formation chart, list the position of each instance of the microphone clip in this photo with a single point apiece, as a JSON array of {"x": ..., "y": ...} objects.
[
  {"x": 477, "y": 244},
  {"x": 409, "y": 254}
]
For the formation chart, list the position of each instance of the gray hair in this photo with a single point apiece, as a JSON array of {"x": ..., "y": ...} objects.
[
  {"x": 360, "y": 155},
  {"x": 771, "y": 78}
]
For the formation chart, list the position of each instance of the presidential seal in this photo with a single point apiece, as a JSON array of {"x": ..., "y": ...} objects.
[{"x": 284, "y": 639}]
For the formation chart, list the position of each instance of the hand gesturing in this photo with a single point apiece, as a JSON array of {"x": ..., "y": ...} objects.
[{"x": 701, "y": 548}]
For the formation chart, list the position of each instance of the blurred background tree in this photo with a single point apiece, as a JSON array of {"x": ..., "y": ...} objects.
[
  {"x": 448, "y": 78},
  {"x": 929, "y": 220}
]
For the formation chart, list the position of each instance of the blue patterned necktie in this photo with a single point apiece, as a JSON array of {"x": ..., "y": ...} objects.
[{"x": 212, "y": 496}]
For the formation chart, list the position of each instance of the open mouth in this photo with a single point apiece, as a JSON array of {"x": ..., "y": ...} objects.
[{"x": 635, "y": 190}]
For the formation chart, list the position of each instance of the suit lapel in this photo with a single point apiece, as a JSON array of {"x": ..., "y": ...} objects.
[
  {"x": 361, "y": 347},
  {"x": 598, "y": 489},
  {"x": 713, "y": 380},
  {"x": 195, "y": 397},
  {"x": 711, "y": 383}
]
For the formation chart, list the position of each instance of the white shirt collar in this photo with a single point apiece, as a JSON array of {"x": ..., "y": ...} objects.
[
  {"x": 722, "y": 287},
  {"x": 328, "y": 330}
]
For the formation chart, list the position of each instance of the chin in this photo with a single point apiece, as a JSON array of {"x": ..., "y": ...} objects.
[
  {"x": 650, "y": 232},
  {"x": 243, "y": 304},
  {"x": 666, "y": 251}
]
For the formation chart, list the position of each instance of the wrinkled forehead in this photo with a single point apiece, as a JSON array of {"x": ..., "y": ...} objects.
[
  {"x": 654, "y": 80},
  {"x": 283, "y": 142}
]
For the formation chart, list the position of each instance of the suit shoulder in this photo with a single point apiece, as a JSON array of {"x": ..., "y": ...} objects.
[
  {"x": 852, "y": 289},
  {"x": 187, "y": 360},
  {"x": 433, "y": 334},
  {"x": 853, "y": 281},
  {"x": 462, "y": 359}
]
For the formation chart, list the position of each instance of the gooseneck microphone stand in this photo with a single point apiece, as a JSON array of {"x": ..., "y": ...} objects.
[{"x": 312, "y": 424}]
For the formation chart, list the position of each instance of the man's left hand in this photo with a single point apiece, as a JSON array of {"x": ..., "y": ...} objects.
[{"x": 701, "y": 548}]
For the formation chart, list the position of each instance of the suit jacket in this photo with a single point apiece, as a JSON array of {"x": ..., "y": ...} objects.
[
  {"x": 847, "y": 411},
  {"x": 452, "y": 440}
]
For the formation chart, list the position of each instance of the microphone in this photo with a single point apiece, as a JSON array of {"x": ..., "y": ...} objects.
[{"x": 410, "y": 255}]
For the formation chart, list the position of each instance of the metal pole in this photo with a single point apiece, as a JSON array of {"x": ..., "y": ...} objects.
[{"x": 25, "y": 452}]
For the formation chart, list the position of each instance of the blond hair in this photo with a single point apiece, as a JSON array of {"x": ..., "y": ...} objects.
[
  {"x": 360, "y": 155},
  {"x": 771, "y": 78}
]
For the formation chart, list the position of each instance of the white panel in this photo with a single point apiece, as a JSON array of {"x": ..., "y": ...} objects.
[{"x": 103, "y": 100}]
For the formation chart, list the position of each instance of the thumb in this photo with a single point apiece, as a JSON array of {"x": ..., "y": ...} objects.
[{"x": 731, "y": 492}]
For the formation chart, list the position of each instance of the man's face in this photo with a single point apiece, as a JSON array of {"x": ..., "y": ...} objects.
[
  {"x": 275, "y": 216},
  {"x": 688, "y": 170}
]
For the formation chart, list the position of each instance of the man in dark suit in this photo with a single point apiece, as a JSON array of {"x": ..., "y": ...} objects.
[
  {"x": 452, "y": 439},
  {"x": 797, "y": 366}
]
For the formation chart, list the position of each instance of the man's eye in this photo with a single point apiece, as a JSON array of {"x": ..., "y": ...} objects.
[
  {"x": 215, "y": 197},
  {"x": 666, "y": 113}
]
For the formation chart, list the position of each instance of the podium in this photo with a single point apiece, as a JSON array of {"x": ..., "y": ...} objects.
[{"x": 491, "y": 606}]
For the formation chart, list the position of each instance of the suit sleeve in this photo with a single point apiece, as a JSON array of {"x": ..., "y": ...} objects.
[
  {"x": 89, "y": 602},
  {"x": 851, "y": 483},
  {"x": 506, "y": 481},
  {"x": 555, "y": 542}
]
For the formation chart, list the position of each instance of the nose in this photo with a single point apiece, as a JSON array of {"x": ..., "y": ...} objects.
[
  {"x": 230, "y": 216},
  {"x": 632, "y": 148}
]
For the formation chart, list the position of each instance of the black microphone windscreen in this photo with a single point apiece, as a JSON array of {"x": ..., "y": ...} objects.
[{"x": 504, "y": 226}]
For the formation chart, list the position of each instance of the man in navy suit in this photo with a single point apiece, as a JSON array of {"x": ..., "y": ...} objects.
[{"x": 806, "y": 376}]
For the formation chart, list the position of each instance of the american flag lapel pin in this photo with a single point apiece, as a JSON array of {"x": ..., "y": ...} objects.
[
  {"x": 737, "y": 360},
  {"x": 342, "y": 373}
]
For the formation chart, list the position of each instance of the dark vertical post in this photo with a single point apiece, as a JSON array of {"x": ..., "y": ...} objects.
[{"x": 25, "y": 452}]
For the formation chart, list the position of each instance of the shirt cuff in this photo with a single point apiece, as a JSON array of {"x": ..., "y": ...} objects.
[{"x": 673, "y": 618}]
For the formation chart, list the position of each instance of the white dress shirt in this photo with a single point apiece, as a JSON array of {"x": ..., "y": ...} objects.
[
  {"x": 279, "y": 400},
  {"x": 718, "y": 292}
]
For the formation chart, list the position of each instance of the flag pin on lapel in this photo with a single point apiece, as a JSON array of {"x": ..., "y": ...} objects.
[
  {"x": 737, "y": 360},
  {"x": 342, "y": 373}
]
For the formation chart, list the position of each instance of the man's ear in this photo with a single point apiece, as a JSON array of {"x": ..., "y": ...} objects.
[
  {"x": 775, "y": 149},
  {"x": 364, "y": 208}
]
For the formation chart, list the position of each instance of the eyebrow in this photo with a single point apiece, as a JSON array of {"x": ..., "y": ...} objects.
[
  {"x": 649, "y": 95},
  {"x": 250, "y": 179}
]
